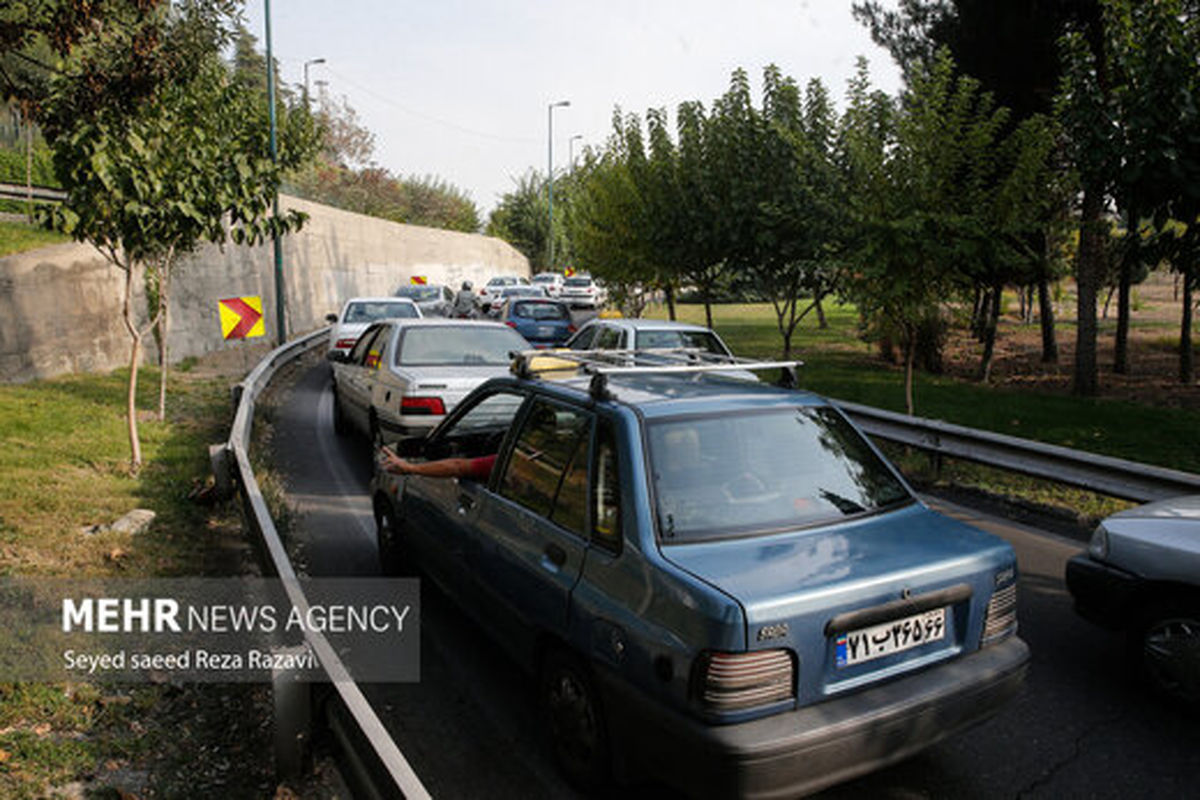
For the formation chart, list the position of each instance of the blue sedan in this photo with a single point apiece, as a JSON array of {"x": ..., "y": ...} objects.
[{"x": 545, "y": 323}]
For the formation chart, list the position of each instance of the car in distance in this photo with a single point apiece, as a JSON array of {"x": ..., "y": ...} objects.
[
  {"x": 404, "y": 375},
  {"x": 512, "y": 292},
  {"x": 645, "y": 334},
  {"x": 543, "y": 322},
  {"x": 718, "y": 582},
  {"x": 434, "y": 300},
  {"x": 489, "y": 293},
  {"x": 552, "y": 282},
  {"x": 359, "y": 312},
  {"x": 582, "y": 290},
  {"x": 1141, "y": 574}
]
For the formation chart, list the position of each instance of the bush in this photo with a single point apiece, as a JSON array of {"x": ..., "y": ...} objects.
[{"x": 12, "y": 166}]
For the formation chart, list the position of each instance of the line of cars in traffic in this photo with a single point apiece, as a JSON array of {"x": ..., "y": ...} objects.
[{"x": 714, "y": 580}]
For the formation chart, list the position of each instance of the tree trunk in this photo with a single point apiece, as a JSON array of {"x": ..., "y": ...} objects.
[
  {"x": 164, "y": 299},
  {"x": 1121, "y": 345},
  {"x": 822, "y": 323},
  {"x": 977, "y": 311},
  {"x": 708, "y": 306},
  {"x": 910, "y": 355},
  {"x": 989, "y": 335},
  {"x": 28, "y": 166},
  {"x": 135, "y": 353},
  {"x": 670, "y": 292},
  {"x": 1089, "y": 267},
  {"x": 1187, "y": 369},
  {"x": 1046, "y": 313}
]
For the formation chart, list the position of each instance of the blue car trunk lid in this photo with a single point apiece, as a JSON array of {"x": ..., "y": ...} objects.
[{"x": 860, "y": 601}]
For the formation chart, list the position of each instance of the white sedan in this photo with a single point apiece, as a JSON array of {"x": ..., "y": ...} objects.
[
  {"x": 489, "y": 294},
  {"x": 404, "y": 375},
  {"x": 359, "y": 312}
]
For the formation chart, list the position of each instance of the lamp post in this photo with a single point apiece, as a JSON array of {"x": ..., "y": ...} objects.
[
  {"x": 307, "y": 64},
  {"x": 550, "y": 178},
  {"x": 571, "y": 151},
  {"x": 280, "y": 324}
]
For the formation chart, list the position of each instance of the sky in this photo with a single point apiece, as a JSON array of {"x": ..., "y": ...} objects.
[{"x": 460, "y": 89}]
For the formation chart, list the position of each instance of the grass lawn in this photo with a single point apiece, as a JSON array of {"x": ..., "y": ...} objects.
[
  {"x": 64, "y": 456},
  {"x": 16, "y": 237}
]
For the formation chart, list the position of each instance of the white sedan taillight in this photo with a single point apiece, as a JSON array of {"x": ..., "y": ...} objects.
[
  {"x": 422, "y": 406},
  {"x": 736, "y": 681}
]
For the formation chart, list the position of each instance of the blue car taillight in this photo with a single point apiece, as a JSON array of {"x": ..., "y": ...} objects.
[
  {"x": 737, "y": 681},
  {"x": 1001, "y": 619}
]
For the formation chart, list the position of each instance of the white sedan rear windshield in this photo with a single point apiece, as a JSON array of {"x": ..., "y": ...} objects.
[
  {"x": 369, "y": 311},
  {"x": 462, "y": 344},
  {"x": 719, "y": 476}
]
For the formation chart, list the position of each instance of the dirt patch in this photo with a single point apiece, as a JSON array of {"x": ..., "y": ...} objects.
[{"x": 1153, "y": 377}]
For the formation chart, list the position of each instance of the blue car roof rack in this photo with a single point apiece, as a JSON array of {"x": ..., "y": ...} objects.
[{"x": 657, "y": 361}]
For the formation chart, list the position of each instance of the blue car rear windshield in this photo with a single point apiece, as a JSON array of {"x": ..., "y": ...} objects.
[
  {"x": 718, "y": 476},
  {"x": 543, "y": 311}
]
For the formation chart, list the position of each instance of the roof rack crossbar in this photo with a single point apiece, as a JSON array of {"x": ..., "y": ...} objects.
[{"x": 682, "y": 360}]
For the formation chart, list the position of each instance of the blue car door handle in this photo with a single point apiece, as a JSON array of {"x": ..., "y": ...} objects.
[
  {"x": 555, "y": 555},
  {"x": 465, "y": 503}
]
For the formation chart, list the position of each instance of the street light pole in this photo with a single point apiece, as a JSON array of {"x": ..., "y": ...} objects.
[
  {"x": 280, "y": 324},
  {"x": 550, "y": 178},
  {"x": 571, "y": 152},
  {"x": 307, "y": 64}
]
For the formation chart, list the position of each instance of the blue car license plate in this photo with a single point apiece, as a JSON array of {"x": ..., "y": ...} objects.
[{"x": 877, "y": 641}]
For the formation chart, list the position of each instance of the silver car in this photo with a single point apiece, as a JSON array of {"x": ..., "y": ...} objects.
[
  {"x": 434, "y": 299},
  {"x": 404, "y": 375},
  {"x": 1141, "y": 575},
  {"x": 646, "y": 334}
]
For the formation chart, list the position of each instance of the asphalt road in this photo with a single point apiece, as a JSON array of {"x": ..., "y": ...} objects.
[{"x": 1080, "y": 729}]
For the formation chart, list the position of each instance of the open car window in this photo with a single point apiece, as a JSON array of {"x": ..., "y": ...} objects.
[
  {"x": 480, "y": 429},
  {"x": 358, "y": 355}
]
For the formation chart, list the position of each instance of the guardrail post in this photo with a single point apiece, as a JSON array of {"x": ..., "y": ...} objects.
[
  {"x": 219, "y": 457},
  {"x": 292, "y": 698}
]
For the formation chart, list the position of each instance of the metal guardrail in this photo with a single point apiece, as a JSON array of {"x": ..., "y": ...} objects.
[
  {"x": 377, "y": 767},
  {"x": 17, "y": 191},
  {"x": 1112, "y": 476}
]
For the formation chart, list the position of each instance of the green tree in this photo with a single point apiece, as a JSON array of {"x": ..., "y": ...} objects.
[
  {"x": 522, "y": 219},
  {"x": 1130, "y": 99},
  {"x": 151, "y": 180},
  {"x": 983, "y": 37},
  {"x": 941, "y": 198}
]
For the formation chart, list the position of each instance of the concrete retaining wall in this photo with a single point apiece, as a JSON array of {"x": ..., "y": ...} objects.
[{"x": 60, "y": 306}]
